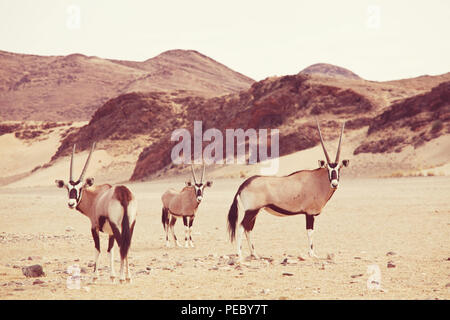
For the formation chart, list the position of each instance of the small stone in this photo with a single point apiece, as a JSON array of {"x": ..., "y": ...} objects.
[
  {"x": 265, "y": 291},
  {"x": 391, "y": 253},
  {"x": 300, "y": 258},
  {"x": 357, "y": 258},
  {"x": 287, "y": 274},
  {"x": 69, "y": 229},
  {"x": 148, "y": 268},
  {"x": 391, "y": 264},
  {"x": 284, "y": 262},
  {"x": 356, "y": 275},
  {"x": 231, "y": 262},
  {"x": 447, "y": 285},
  {"x": 33, "y": 271},
  {"x": 330, "y": 256},
  {"x": 37, "y": 281}
]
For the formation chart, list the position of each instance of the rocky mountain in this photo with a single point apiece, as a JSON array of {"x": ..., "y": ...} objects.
[
  {"x": 145, "y": 121},
  {"x": 73, "y": 87}
]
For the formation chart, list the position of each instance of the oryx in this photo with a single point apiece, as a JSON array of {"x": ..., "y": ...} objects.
[
  {"x": 111, "y": 209},
  {"x": 302, "y": 192},
  {"x": 183, "y": 204}
]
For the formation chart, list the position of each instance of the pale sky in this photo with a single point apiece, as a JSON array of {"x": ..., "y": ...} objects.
[{"x": 378, "y": 40}]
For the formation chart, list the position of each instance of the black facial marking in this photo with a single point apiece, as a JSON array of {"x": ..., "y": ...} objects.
[
  {"x": 73, "y": 194},
  {"x": 333, "y": 175}
]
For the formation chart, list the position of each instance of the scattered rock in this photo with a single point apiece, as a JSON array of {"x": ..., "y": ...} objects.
[
  {"x": 231, "y": 261},
  {"x": 34, "y": 258},
  {"x": 300, "y": 258},
  {"x": 356, "y": 275},
  {"x": 330, "y": 256},
  {"x": 214, "y": 268},
  {"x": 284, "y": 262},
  {"x": 148, "y": 268},
  {"x": 69, "y": 229},
  {"x": 33, "y": 271},
  {"x": 391, "y": 264},
  {"x": 447, "y": 285},
  {"x": 391, "y": 253},
  {"x": 357, "y": 258},
  {"x": 265, "y": 291},
  {"x": 288, "y": 274},
  {"x": 37, "y": 281}
]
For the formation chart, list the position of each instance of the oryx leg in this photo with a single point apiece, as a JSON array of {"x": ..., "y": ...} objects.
[
  {"x": 248, "y": 223},
  {"x": 186, "y": 232},
  {"x": 128, "y": 274},
  {"x": 118, "y": 237},
  {"x": 310, "y": 231},
  {"x": 173, "y": 219},
  {"x": 165, "y": 219},
  {"x": 246, "y": 226},
  {"x": 96, "y": 238},
  {"x": 191, "y": 222},
  {"x": 111, "y": 257}
]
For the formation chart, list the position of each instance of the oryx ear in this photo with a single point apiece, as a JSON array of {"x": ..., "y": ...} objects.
[
  {"x": 90, "y": 182},
  {"x": 188, "y": 183},
  {"x": 209, "y": 183},
  {"x": 321, "y": 164},
  {"x": 345, "y": 163},
  {"x": 60, "y": 183}
]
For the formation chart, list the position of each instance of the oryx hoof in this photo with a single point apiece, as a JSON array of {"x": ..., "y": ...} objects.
[
  {"x": 122, "y": 281},
  {"x": 113, "y": 279},
  {"x": 94, "y": 279},
  {"x": 186, "y": 244},
  {"x": 313, "y": 255},
  {"x": 191, "y": 244},
  {"x": 167, "y": 244},
  {"x": 128, "y": 280},
  {"x": 179, "y": 245}
]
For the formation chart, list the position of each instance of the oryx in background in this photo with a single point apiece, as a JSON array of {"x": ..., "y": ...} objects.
[
  {"x": 111, "y": 209},
  {"x": 302, "y": 192},
  {"x": 184, "y": 203}
]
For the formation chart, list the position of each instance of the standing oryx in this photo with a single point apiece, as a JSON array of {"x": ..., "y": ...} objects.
[
  {"x": 111, "y": 209},
  {"x": 183, "y": 204},
  {"x": 302, "y": 192}
]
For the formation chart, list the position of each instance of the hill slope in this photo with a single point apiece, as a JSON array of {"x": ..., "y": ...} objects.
[{"x": 72, "y": 87}]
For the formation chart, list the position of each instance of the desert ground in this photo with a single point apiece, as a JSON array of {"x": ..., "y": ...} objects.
[{"x": 399, "y": 225}]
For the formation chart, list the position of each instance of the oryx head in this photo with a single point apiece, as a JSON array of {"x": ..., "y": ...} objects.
[
  {"x": 199, "y": 187},
  {"x": 74, "y": 188},
  {"x": 333, "y": 167}
]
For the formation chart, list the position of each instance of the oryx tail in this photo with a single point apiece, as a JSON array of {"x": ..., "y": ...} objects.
[
  {"x": 124, "y": 196},
  {"x": 233, "y": 217}
]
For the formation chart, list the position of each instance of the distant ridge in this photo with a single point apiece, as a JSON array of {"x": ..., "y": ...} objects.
[{"x": 330, "y": 71}]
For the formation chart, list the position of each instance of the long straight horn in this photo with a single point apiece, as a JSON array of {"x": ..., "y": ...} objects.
[
  {"x": 193, "y": 173},
  {"x": 71, "y": 163},
  {"x": 321, "y": 141},
  {"x": 87, "y": 163},
  {"x": 339, "y": 146},
  {"x": 203, "y": 173}
]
